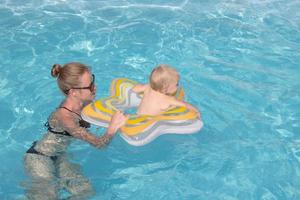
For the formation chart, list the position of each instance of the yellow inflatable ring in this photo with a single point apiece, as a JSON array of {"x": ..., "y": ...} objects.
[{"x": 140, "y": 129}]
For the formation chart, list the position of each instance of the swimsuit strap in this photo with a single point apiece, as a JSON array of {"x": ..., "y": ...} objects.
[
  {"x": 70, "y": 111},
  {"x": 63, "y": 132},
  {"x": 82, "y": 123},
  {"x": 32, "y": 150}
]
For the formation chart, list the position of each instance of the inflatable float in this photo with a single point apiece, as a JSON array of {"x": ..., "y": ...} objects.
[{"x": 140, "y": 129}]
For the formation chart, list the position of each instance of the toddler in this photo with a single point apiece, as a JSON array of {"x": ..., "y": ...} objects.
[{"x": 159, "y": 94}]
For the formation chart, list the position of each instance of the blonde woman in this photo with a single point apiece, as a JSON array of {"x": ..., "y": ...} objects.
[{"x": 46, "y": 160}]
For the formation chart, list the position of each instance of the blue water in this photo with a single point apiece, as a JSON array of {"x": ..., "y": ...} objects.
[{"x": 239, "y": 64}]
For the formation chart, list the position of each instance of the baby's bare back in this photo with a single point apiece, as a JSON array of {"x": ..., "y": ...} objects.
[{"x": 153, "y": 103}]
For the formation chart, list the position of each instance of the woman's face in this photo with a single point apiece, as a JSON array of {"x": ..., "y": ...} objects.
[{"x": 88, "y": 87}]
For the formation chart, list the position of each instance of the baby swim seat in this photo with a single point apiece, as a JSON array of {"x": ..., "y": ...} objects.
[{"x": 140, "y": 129}]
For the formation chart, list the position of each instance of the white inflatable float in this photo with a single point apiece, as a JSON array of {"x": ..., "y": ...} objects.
[{"x": 140, "y": 129}]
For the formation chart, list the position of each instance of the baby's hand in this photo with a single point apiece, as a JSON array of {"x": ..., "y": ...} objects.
[
  {"x": 198, "y": 114},
  {"x": 193, "y": 109}
]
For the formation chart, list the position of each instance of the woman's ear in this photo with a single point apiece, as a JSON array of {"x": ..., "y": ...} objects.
[{"x": 71, "y": 92}]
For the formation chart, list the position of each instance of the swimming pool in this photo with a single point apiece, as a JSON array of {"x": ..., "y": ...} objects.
[{"x": 239, "y": 63}]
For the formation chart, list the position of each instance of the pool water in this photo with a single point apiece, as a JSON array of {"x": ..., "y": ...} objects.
[{"x": 238, "y": 62}]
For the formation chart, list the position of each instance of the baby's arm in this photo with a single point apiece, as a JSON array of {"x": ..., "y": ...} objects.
[
  {"x": 139, "y": 88},
  {"x": 176, "y": 102}
]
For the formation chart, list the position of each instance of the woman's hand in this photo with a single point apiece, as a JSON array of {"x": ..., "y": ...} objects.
[{"x": 117, "y": 120}]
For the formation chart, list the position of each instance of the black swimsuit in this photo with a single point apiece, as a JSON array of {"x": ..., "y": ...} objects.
[
  {"x": 33, "y": 151},
  {"x": 50, "y": 129},
  {"x": 82, "y": 123}
]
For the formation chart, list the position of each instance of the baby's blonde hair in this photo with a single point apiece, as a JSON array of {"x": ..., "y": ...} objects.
[{"x": 161, "y": 77}]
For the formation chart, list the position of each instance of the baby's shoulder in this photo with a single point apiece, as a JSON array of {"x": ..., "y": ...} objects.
[
  {"x": 140, "y": 88},
  {"x": 173, "y": 101}
]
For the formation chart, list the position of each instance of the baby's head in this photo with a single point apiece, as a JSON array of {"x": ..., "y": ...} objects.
[{"x": 164, "y": 79}]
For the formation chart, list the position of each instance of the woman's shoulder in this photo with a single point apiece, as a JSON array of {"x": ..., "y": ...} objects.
[{"x": 60, "y": 116}]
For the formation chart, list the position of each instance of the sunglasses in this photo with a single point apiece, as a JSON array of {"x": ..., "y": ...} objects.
[{"x": 91, "y": 87}]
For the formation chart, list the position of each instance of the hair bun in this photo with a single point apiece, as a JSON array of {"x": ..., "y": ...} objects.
[{"x": 55, "y": 70}]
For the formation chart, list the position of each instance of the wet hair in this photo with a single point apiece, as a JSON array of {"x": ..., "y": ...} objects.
[
  {"x": 68, "y": 75},
  {"x": 161, "y": 76}
]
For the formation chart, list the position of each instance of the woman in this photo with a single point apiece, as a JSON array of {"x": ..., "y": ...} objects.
[{"x": 46, "y": 161}]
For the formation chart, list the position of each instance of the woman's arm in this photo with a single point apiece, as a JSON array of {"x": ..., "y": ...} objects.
[{"x": 81, "y": 133}]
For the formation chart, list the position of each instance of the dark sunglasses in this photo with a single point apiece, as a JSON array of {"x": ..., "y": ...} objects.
[{"x": 91, "y": 87}]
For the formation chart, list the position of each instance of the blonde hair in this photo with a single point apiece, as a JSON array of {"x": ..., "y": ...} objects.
[
  {"x": 68, "y": 75},
  {"x": 161, "y": 76}
]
